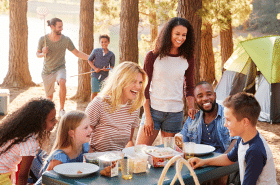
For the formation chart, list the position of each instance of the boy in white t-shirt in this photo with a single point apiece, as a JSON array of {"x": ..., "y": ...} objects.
[{"x": 252, "y": 152}]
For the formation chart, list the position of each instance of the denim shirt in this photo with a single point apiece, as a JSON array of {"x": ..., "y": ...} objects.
[{"x": 192, "y": 129}]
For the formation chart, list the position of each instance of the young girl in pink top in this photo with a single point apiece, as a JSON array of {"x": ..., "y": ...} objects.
[{"x": 21, "y": 134}]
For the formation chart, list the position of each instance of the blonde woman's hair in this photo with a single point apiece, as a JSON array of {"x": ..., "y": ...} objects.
[
  {"x": 70, "y": 121},
  {"x": 122, "y": 76}
]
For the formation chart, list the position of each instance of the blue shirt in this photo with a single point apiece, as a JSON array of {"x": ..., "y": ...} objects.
[
  {"x": 210, "y": 136},
  {"x": 193, "y": 131},
  {"x": 255, "y": 161},
  {"x": 63, "y": 157},
  {"x": 101, "y": 61}
]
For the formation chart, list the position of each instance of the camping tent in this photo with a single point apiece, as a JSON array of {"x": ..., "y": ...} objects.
[{"x": 259, "y": 54}]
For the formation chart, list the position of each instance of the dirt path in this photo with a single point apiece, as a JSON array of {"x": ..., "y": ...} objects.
[{"x": 18, "y": 97}]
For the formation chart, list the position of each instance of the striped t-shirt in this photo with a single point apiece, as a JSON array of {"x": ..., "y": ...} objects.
[
  {"x": 111, "y": 131},
  {"x": 10, "y": 159}
]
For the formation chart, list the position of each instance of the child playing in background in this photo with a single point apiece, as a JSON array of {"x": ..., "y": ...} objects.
[
  {"x": 100, "y": 60},
  {"x": 114, "y": 113},
  {"x": 21, "y": 133},
  {"x": 71, "y": 141},
  {"x": 252, "y": 152}
]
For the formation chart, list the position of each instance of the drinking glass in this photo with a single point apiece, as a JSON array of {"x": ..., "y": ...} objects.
[
  {"x": 189, "y": 149},
  {"x": 169, "y": 142}
]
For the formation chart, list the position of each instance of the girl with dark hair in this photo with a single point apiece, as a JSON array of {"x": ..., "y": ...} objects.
[
  {"x": 21, "y": 134},
  {"x": 170, "y": 68}
]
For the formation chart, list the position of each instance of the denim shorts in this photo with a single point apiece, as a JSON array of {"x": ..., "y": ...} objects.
[
  {"x": 170, "y": 122},
  {"x": 95, "y": 85}
]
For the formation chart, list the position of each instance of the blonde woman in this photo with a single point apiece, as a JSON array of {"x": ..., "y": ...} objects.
[
  {"x": 114, "y": 113},
  {"x": 71, "y": 141}
]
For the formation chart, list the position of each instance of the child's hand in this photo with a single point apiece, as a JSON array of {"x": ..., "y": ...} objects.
[
  {"x": 97, "y": 70},
  {"x": 106, "y": 69},
  {"x": 196, "y": 162}
]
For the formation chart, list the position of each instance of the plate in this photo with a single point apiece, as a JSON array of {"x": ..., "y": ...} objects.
[
  {"x": 131, "y": 152},
  {"x": 71, "y": 169},
  {"x": 201, "y": 149}
]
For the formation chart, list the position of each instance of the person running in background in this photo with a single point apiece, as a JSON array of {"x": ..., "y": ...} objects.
[
  {"x": 101, "y": 60},
  {"x": 21, "y": 134},
  {"x": 114, "y": 113},
  {"x": 72, "y": 137},
  {"x": 252, "y": 152},
  {"x": 54, "y": 69},
  {"x": 170, "y": 67}
]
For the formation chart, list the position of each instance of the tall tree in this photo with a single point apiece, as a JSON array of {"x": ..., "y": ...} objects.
[
  {"x": 226, "y": 33},
  {"x": 18, "y": 73},
  {"x": 221, "y": 15},
  {"x": 86, "y": 41},
  {"x": 207, "y": 65},
  {"x": 129, "y": 19},
  {"x": 189, "y": 9},
  {"x": 153, "y": 13}
]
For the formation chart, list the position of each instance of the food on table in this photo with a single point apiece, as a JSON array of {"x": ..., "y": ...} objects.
[
  {"x": 179, "y": 140},
  {"x": 158, "y": 157},
  {"x": 108, "y": 164}
]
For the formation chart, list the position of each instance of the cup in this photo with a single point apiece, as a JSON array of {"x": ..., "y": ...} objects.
[
  {"x": 189, "y": 149},
  {"x": 140, "y": 148},
  {"x": 127, "y": 167},
  {"x": 169, "y": 142}
]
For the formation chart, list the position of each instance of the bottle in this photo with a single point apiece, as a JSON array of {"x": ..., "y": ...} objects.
[{"x": 127, "y": 168}]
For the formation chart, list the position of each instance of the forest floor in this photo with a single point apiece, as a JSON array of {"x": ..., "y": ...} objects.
[{"x": 18, "y": 97}]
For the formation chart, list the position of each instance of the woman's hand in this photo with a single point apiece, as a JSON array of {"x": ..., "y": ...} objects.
[
  {"x": 129, "y": 144},
  {"x": 149, "y": 126},
  {"x": 192, "y": 112}
]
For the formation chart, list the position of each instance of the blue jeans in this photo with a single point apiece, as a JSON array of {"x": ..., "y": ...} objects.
[{"x": 170, "y": 122}]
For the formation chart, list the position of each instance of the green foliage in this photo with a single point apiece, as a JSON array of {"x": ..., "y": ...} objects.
[
  {"x": 4, "y": 5},
  {"x": 218, "y": 12},
  {"x": 163, "y": 9},
  {"x": 106, "y": 13}
]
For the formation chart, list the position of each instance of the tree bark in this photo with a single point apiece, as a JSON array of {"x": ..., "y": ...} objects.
[
  {"x": 129, "y": 19},
  {"x": 188, "y": 9},
  {"x": 86, "y": 40},
  {"x": 153, "y": 24},
  {"x": 18, "y": 73},
  {"x": 207, "y": 65},
  {"x": 226, "y": 40}
]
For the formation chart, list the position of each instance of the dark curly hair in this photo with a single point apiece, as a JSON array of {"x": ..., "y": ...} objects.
[
  {"x": 28, "y": 119},
  {"x": 163, "y": 43}
]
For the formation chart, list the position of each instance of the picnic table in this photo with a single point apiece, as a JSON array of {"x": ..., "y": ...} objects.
[{"x": 152, "y": 176}]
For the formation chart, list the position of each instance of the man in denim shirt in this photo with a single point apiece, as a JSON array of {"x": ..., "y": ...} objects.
[{"x": 208, "y": 125}]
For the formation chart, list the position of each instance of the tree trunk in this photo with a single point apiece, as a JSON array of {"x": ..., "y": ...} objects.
[
  {"x": 207, "y": 65},
  {"x": 129, "y": 19},
  {"x": 18, "y": 73},
  {"x": 86, "y": 40},
  {"x": 226, "y": 40},
  {"x": 188, "y": 9},
  {"x": 153, "y": 24}
]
